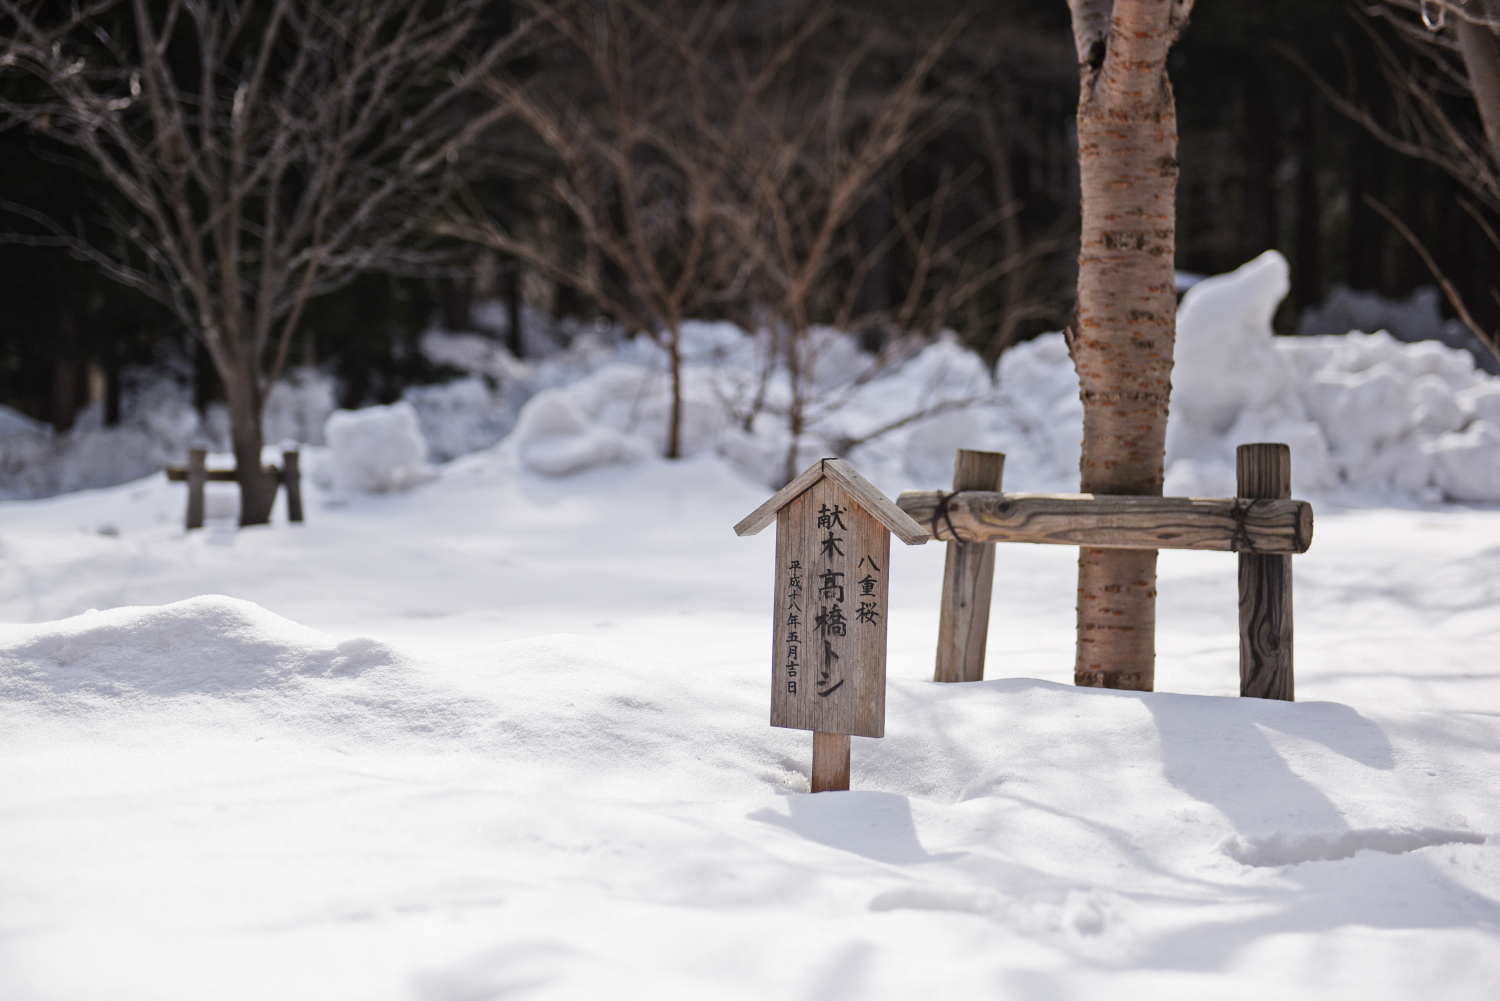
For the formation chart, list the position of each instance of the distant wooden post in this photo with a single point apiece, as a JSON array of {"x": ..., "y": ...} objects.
[
  {"x": 833, "y": 541},
  {"x": 197, "y": 476},
  {"x": 291, "y": 475},
  {"x": 968, "y": 579},
  {"x": 1265, "y": 472}
]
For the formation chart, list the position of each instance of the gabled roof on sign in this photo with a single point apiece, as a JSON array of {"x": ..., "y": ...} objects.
[{"x": 900, "y": 523}]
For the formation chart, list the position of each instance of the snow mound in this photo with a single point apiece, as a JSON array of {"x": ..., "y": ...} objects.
[
  {"x": 1293, "y": 849},
  {"x": 1364, "y": 411},
  {"x": 573, "y": 710},
  {"x": 376, "y": 450},
  {"x": 556, "y": 437},
  {"x": 1364, "y": 414},
  {"x": 221, "y": 665},
  {"x": 158, "y": 425},
  {"x": 209, "y": 645},
  {"x": 896, "y": 416},
  {"x": 473, "y": 353},
  {"x": 1417, "y": 318},
  {"x": 460, "y": 417}
]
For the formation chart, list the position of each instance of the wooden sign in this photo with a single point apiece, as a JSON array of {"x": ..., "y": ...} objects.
[{"x": 833, "y": 543}]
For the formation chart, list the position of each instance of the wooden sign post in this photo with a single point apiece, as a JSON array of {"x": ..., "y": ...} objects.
[{"x": 833, "y": 543}]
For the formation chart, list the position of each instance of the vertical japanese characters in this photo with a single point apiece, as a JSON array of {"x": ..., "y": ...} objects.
[
  {"x": 830, "y": 615},
  {"x": 793, "y": 623}
]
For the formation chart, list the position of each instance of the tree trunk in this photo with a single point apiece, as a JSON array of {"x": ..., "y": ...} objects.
[
  {"x": 1481, "y": 52},
  {"x": 1127, "y": 310},
  {"x": 257, "y": 489},
  {"x": 674, "y": 417}
]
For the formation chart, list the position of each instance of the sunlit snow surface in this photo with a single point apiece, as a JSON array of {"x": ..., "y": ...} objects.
[{"x": 505, "y": 736}]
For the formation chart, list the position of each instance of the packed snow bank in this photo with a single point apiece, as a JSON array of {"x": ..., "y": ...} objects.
[
  {"x": 158, "y": 425},
  {"x": 1365, "y": 415},
  {"x": 209, "y": 798},
  {"x": 1363, "y": 411},
  {"x": 1415, "y": 318},
  {"x": 375, "y": 450},
  {"x": 734, "y": 404}
]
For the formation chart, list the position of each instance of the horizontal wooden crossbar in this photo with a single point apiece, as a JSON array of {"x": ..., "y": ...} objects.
[
  {"x": 178, "y": 474},
  {"x": 1101, "y": 521}
]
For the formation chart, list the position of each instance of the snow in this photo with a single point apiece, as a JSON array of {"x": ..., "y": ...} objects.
[
  {"x": 1416, "y": 318},
  {"x": 1363, "y": 413},
  {"x": 1369, "y": 418},
  {"x": 503, "y": 732},
  {"x": 374, "y": 450}
]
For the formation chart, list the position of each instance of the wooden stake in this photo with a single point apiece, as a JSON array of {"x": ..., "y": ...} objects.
[
  {"x": 830, "y": 766},
  {"x": 291, "y": 475},
  {"x": 968, "y": 580},
  {"x": 197, "y": 475},
  {"x": 1265, "y": 471}
]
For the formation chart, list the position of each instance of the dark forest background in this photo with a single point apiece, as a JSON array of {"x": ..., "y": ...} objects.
[{"x": 1265, "y": 163}]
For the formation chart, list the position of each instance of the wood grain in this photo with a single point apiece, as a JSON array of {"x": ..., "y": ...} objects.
[
  {"x": 829, "y": 632},
  {"x": 877, "y": 504},
  {"x": 968, "y": 580},
  {"x": 762, "y": 516},
  {"x": 830, "y": 763},
  {"x": 1102, "y": 521},
  {"x": 873, "y": 501},
  {"x": 1265, "y": 471}
]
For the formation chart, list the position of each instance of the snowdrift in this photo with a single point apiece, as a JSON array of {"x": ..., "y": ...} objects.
[
  {"x": 1363, "y": 411},
  {"x": 1369, "y": 418},
  {"x": 274, "y": 813}
]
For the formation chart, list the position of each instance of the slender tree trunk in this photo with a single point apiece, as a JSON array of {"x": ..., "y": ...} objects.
[
  {"x": 1127, "y": 310},
  {"x": 674, "y": 417},
  {"x": 795, "y": 412}
]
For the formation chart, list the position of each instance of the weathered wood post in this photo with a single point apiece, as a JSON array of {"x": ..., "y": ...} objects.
[
  {"x": 968, "y": 580},
  {"x": 1265, "y": 472},
  {"x": 833, "y": 541},
  {"x": 197, "y": 476},
  {"x": 1263, "y": 525},
  {"x": 291, "y": 475}
]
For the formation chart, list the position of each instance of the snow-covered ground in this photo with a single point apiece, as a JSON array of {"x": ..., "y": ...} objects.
[{"x": 504, "y": 734}]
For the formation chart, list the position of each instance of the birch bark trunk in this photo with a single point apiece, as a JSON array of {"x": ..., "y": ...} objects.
[
  {"x": 1481, "y": 53},
  {"x": 1126, "y": 322}
]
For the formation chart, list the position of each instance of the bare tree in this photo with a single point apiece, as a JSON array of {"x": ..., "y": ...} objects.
[
  {"x": 821, "y": 150},
  {"x": 1126, "y": 322},
  {"x": 1456, "y": 45},
  {"x": 1029, "y": 292},
  {"x": 639, "y": 136},
  {"x": 714, "y": 161},
  {"x": 814, "y": 158},
  {"x": 262, "y": 154}
]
